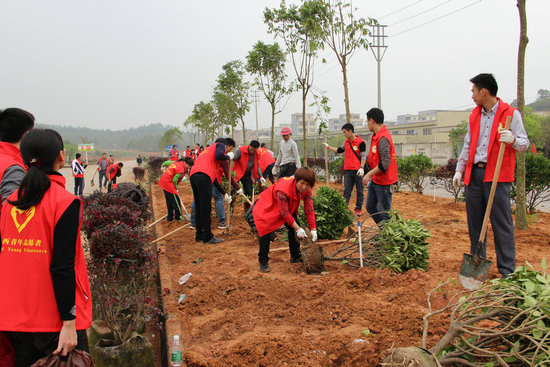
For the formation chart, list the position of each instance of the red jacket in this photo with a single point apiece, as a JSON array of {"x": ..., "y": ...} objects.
[
  {"x": 390, "y": 176},
  {"x": 239, "y": 166},
  {"x": 352, "y": 157},
  {"x": 265, "y": 158},
  {"x": 27, "y": 298},
  {"x": 166, "y": 181},
  {"x": 267, "y": 216},
  {"x": 207, "y": 163},
  {"x": 174, "y": 154},
  {"x": 508, "y": 168},
  {"x": 111, "y": 175},
  {"x": 9, "y": 156}
]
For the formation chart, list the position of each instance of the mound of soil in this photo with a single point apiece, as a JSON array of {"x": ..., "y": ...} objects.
[{"x": 233, "y": 315}]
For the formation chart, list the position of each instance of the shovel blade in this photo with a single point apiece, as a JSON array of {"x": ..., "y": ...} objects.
[{"x": 473, "y": 271}]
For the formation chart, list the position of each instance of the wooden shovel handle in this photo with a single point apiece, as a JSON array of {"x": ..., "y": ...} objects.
[
  {"x": 494, "y": 185},
  {"x": 228, "y": 210}
]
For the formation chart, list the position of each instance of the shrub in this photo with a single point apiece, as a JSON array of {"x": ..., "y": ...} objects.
[
  {"x": 318, "y": 165},
  {"x": 413, "y": 171},
  {"x": 336, "y": 169},
  {"x": 139, "y": 174},
  {"x": 331, "y": 213},
  {"x": 153, "y": 166},
  {"x": 537, "y": 180},
  {"x": 97, "y": 216},
  {"x": 444, "y": 175},
  {"x": 97, "y": 200}
]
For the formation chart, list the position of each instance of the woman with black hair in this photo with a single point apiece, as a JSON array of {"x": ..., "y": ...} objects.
[{"x": 44, "y": 290}]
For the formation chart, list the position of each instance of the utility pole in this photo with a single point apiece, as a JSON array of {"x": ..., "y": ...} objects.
[
  {"x": 379, "y": 43},
  {"x": 255, "y": 97}
]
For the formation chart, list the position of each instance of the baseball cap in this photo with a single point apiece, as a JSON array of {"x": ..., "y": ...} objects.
[{"x": 286, "y": 131}]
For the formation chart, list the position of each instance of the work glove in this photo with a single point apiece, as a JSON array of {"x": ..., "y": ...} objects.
[
  {"x": 240, "y": 191},
  {"x": 314, "y": 235},
  {"x": 325, "y": 145},
  {"x": 227, "y": 198},
  {"x": 231, "y": 155},
  {"x": 506, "y": 136},
  {"x": 457, "y": 180},
  {"x": 263, "y": 181},
  {"x": 300, "y": 233},
  {"x": 360, "y": 172}
]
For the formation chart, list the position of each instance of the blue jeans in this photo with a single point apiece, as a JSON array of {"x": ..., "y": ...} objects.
[
  {"x": 379, "y": 201},
  {"x": 350, "y": 180},
  {"x": 220, "y": 207}
]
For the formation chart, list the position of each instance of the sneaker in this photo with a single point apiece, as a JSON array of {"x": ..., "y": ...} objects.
[
  {"x": 192, "y": 226},
  {"x": 357, "y": 211},
  {"x": 296, "y": 260},
  {"x": 214, "y": 241},
  {"x": 264, "y": 268},
  {"x": 224, "y": 226}
]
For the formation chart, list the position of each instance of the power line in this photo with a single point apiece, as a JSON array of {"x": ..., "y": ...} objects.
[
  {"x": 422, "y": 12},
  {"x": 398, "y": 10}
]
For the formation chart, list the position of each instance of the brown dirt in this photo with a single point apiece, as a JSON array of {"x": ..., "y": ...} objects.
[{"x": 236, "y": 316}]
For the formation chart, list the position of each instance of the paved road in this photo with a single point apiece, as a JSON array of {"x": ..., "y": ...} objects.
[{"x": 127, "y": 176}]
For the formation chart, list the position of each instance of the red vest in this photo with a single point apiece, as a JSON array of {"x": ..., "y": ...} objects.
[
  {"x": 207, "y": 162},
  {"x": 265, "y": 158},
  {"x": 9, "y": 156},
  {"x": 508, "y": 168},
  {"x": 187, "y": 152},
  {"x": 267, "y": 216},
  {"x": 239, "y": 166},
  {"x": 27, "y": 298},
  {"x": 174, "y": 154},
  {"x": 166, "y": 181},
  {"x": 112, "y": 174},
  {"x": 352, "y": 157},
  {"x": 390, "y": 176}
]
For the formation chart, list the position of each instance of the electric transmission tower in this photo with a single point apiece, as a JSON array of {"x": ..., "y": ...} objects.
[
  {"x": 378, "y": 37},
  {"x": 256, "y": 100}
]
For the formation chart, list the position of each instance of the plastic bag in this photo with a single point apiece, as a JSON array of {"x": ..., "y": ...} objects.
[{"x": 77, "y": 358}]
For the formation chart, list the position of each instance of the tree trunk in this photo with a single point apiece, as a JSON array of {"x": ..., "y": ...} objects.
[
  {"x": 244, "y": 131},
  {"x": 521, "y": 212},
  {"x": 346, "y": 93},
  {"x": 304, "y": 95},
  {"x": 272, "y": 146}
]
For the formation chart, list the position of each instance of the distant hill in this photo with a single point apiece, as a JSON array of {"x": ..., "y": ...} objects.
[
  {"x": 542, "y": 105},
  {"x": 142, "y": 138}
]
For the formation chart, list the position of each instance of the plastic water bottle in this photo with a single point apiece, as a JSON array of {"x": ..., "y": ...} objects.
[
  {"x": 184, "y": 278},
  {"x": 175, "y": 355}
]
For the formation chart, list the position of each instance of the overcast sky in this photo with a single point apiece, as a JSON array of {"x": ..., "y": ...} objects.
[{"x": 123, "y": 63}]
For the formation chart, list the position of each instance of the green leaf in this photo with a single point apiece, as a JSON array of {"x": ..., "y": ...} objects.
[{"x": 366, "y": 332}]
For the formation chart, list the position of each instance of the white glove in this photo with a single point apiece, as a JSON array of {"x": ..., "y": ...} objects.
[
  {"x": 231, "y": 155},
  {"x": 457, "y": 180},
  {"x": 325, "y": 145},
  {"x": 301, "y": 233},
  {"x": 227, "y": 198},
  {"x": 314, "y": 235},
  {"x": 360, "y": 172},
  {"x": 240, "y": 191},
  {"x": 506, "y": 136},
  {"x": 263, "y": 181}
]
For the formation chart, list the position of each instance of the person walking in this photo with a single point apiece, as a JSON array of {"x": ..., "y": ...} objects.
[
  {"x": 278, "y": 205},
  {"x": 382, "y": 168},
  {"x": 288, "y": 159},
  {"x": 102, "y": 165},
  {"x": 247, "y": 168},
  {"x": 477, "y": 163},
  {"x": 139, "y": 160},
  {"x": 114, "y": 171},
  {"x": 267, "y": 162},
  {"x": 45, "y": 298},
  {"x": 355, "y": 156},
  {"x": 78, "y": 174},
  {"x": 203, "y": 176},
  {"x": 169, "y": 184}
]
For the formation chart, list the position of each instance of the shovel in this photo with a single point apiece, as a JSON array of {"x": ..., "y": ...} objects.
[
  {"x": 92, "y": 183},
  {"x": 474, "y": 268}
]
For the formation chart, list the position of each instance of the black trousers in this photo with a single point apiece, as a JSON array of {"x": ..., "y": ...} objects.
[
  {"x": 202, "y": 194},
  {"x": 173, "y": 205},
  {"x": 293, "y": 245},
  {"x": 30, "y": 347},
  {"x": 268, "y": 173},
  {"x": 477, "y": 196},
  {"x": 248, "y": 186},
  {"x": 110, "y": 184},
  {"x": 287, "y": 170}
]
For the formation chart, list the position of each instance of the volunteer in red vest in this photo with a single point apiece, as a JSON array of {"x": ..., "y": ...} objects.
[
  {"x": 44, "y": 290},
  {"x": 477, "y": 163},
  {"x": 355, "y": 156},
  {"x": 78, "y": 174},
  {"x": 246, "y": 165},
  {"x": 173, "y": 155},
  {"x": 14, "y": 124},
  {"x": 267, "y": 162},
  {"x": 114, "y": 171},
  {"x": 203, "y": 176},
  {"x": 187, "y": 152},
  {"x": 382, "y": 164},
  {"x": 169, "y": 184},
  {"x": 102, "y": 165},
  {"x": 278, "y": 205}
]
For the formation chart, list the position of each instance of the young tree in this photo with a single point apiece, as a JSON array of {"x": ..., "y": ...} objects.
[
  {"x": 521, "y": 210},
  {"x": 344, "y": 34},
  {"x": 231, "y": 83},
  {"x": 226, "y": 112},
  {"x": 456, "y": 138},
  {"x": 169, "y": 137},
  {"x": 300, "y": 29},
  {"x": 203, "y": 118},
  {"x": 267, "y": 63}
]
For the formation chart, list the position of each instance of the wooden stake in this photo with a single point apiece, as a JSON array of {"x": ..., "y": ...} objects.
[
  {"x": 326, "y": 161},
  {"x": 158, "y": 220},
  {"x": 228, "y": 210},
  {"x": 247, "y": 199},
  {"x": 171, "y": 233}
]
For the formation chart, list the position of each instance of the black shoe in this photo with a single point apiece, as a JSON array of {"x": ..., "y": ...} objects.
[
  {"x": 296, "y": 260},
  {"x": 214, "y": 241},
  {"x": 264, "y": 268}
]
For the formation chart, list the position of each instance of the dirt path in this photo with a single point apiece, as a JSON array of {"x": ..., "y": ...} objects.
[
  {"x": 233, "y": 315},
  {"x": 127, "y": 176}
]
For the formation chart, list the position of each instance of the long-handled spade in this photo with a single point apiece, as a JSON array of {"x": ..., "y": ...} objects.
[
  {"x": 474, "y": 268},
  {"x": 92, "y": 183}
]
